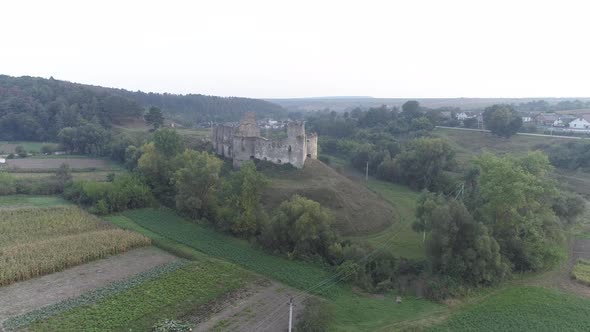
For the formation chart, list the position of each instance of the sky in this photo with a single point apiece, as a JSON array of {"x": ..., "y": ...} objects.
[{"x": 305, "y": 48}]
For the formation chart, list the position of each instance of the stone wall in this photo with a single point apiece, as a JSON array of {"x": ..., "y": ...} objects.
[{"x": 244, "y": 143}]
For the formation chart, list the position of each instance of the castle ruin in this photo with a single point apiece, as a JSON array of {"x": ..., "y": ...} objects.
[{"x": 244, "y": 142}]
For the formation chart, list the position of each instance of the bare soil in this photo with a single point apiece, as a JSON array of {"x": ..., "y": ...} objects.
[
  {"x": 263, "y": 306},
  {"x": 54, "y": 163},
  {"x": 32, "y": 294}
]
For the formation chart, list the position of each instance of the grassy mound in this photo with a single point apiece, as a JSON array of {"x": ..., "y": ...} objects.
[{"x": 357, "y": 210}]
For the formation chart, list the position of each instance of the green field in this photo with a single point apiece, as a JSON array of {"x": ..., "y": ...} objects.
[
  {"x": 31, "y": 147},
  {"x": 355, "y": 312},
  {"x": 522, "y": 308},
  {"x": 138, "y": 308},
  {"x": 26, "y": 200}
]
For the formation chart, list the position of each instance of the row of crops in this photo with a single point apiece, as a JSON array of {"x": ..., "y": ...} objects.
[
  {"x": 39, "y": 241},
  {"x": 298, "y": 274}
]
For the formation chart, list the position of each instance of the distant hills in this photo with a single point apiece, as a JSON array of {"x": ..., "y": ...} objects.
[{"x": 341, "y": 104}]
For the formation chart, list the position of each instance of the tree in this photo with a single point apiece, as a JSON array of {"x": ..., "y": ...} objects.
[
  {"x": 196, "y": 182},
  {"x": 460, "y": 247},
  {"x": 516, "y": 196},
  {"x": 300, "y": 227},
  {"x": 168, "y": 142},
  {"x": 502, "y": 120},
  {"x": 154, "y": 117},
  {"x": 422, "y": 162},
  {"x": 64, "y": 174},
  {"x": 411, "y": 109},
  {"x": 20, "y": 151},
  {"x": 242, "y": 195}
]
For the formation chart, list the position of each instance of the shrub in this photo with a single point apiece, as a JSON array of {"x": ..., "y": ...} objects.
[
  {"x": 316, "y": 317},
  {"x": 7, "y": 184}
]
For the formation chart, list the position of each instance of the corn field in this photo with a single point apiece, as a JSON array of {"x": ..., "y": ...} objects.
[{"x": 38, "y": 241}]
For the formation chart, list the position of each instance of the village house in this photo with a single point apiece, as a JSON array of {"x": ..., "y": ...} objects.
[
  {"x": 465, "y": 115},
  {"x": 579, "y": 123},
  {"x": 546, "y": 119}
]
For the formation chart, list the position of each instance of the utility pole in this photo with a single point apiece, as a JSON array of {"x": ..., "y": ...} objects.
[
  {"x": 290, "y": 313},
  {"x": 367, "y": 172}
]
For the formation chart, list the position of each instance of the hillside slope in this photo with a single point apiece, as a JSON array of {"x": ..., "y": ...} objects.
[{"x": 357, "y": 210}]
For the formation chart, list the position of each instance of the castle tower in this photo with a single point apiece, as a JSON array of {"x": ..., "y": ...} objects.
[
  {"x": 248, "y": 126},
  {"x": 296, "y": 129}
]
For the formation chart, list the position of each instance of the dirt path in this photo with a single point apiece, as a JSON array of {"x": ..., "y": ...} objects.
[
  {"x": 560, "y": 277},
  {"x": 28, "y": 295},
  {"x": 261, "y": 307}
]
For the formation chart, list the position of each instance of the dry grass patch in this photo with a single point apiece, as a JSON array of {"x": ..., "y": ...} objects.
[
  {"x": 581, "y": 271},
  {"x": 38, "y": 241}
]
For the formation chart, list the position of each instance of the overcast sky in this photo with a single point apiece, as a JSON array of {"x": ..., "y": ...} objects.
[{"x": 302, "y": 48}]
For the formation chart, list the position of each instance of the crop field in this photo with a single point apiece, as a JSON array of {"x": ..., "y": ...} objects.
[
  {"x": 137, "y": 308},
  {"x": 87, "y": 176},
  {"x": 11, "y": 201},
  {"x": 471, "y": 143},
  {"x": 522, "y": 308},
  {"x": 168, "y": 224},
  {"x": 34, "y": 147},
  {"x": 38, "y": 241},
  {"x": 356, "y": 312},
  {"x": 55, "y": 163},
  {"x": 581, "y": 271}
]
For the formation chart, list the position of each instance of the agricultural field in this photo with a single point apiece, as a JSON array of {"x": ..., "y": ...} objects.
[
  {"x": 31, "y": 147},
  {"x": 468, "y": 144},
  {"x": 87, "y": 176},
  {"x": 357, "y": 312},
  {"x": 521, "y": 308},
  {"x": 581, "y": 271},
  {"x": 38, "y": 241},
  {"x": 11, "y": 201},
  {"x": 54, "y": 163},
  {"x": 138, "y": 307}
]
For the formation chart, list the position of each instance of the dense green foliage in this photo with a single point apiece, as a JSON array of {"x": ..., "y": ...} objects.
[
  {"x": 139, "y": 307},
  {"x": 38, "y": 109},
  {"x": 154, "y": 117},
  {"x": 522, "y": 309},
  {"x": 571, "y": 155},
  {"x": 502, "y": 120},
  {"x": 125, "y": 192},
  {"x": 194, "y": 108},
  {"x": 317, "y": 316},
  {"x": 300, "y": 227},
  {"x": 51, "y": 185}
]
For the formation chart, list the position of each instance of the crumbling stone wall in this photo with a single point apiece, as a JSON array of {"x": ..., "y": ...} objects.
[{"x": 244, "y": 143}]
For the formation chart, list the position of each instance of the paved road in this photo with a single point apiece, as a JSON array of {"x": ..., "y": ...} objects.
[{"x": 521, "y": 134}]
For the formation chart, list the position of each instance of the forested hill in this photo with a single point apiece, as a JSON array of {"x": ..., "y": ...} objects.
[
  {"x": 38, "y": 109},
  {"x": 195, "y": 108}
]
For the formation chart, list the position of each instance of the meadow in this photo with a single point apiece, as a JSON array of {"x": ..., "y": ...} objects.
[
  {"x": 31, "y": 147},
  {"x": 38, "y": 241}
]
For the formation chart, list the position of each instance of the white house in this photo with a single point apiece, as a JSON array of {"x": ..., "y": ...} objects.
[
  {"x": 465, "y": 115},
  {"x": 2, "y": 160},
  {"x": 579, "y": 123}
]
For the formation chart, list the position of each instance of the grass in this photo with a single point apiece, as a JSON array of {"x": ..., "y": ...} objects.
[
  {"x": 38, "y": 241},
  {"x": 400, "y": 239},
  {"x": 355, "y": 312},
  {"x": 137, "y": 309},
  {"x": 26, "y": 200},
  {"x": 168, "y": 224},
  {"x": 78, "y": 176},
  {"x": 470, "y": 143},
  {"x": 32, "y": 147},
  {"x": 522, "y": 308},
  {"x": 581, "y": 271}
]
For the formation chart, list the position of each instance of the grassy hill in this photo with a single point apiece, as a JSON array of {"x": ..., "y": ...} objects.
[{"x": 357, "y": 210}]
